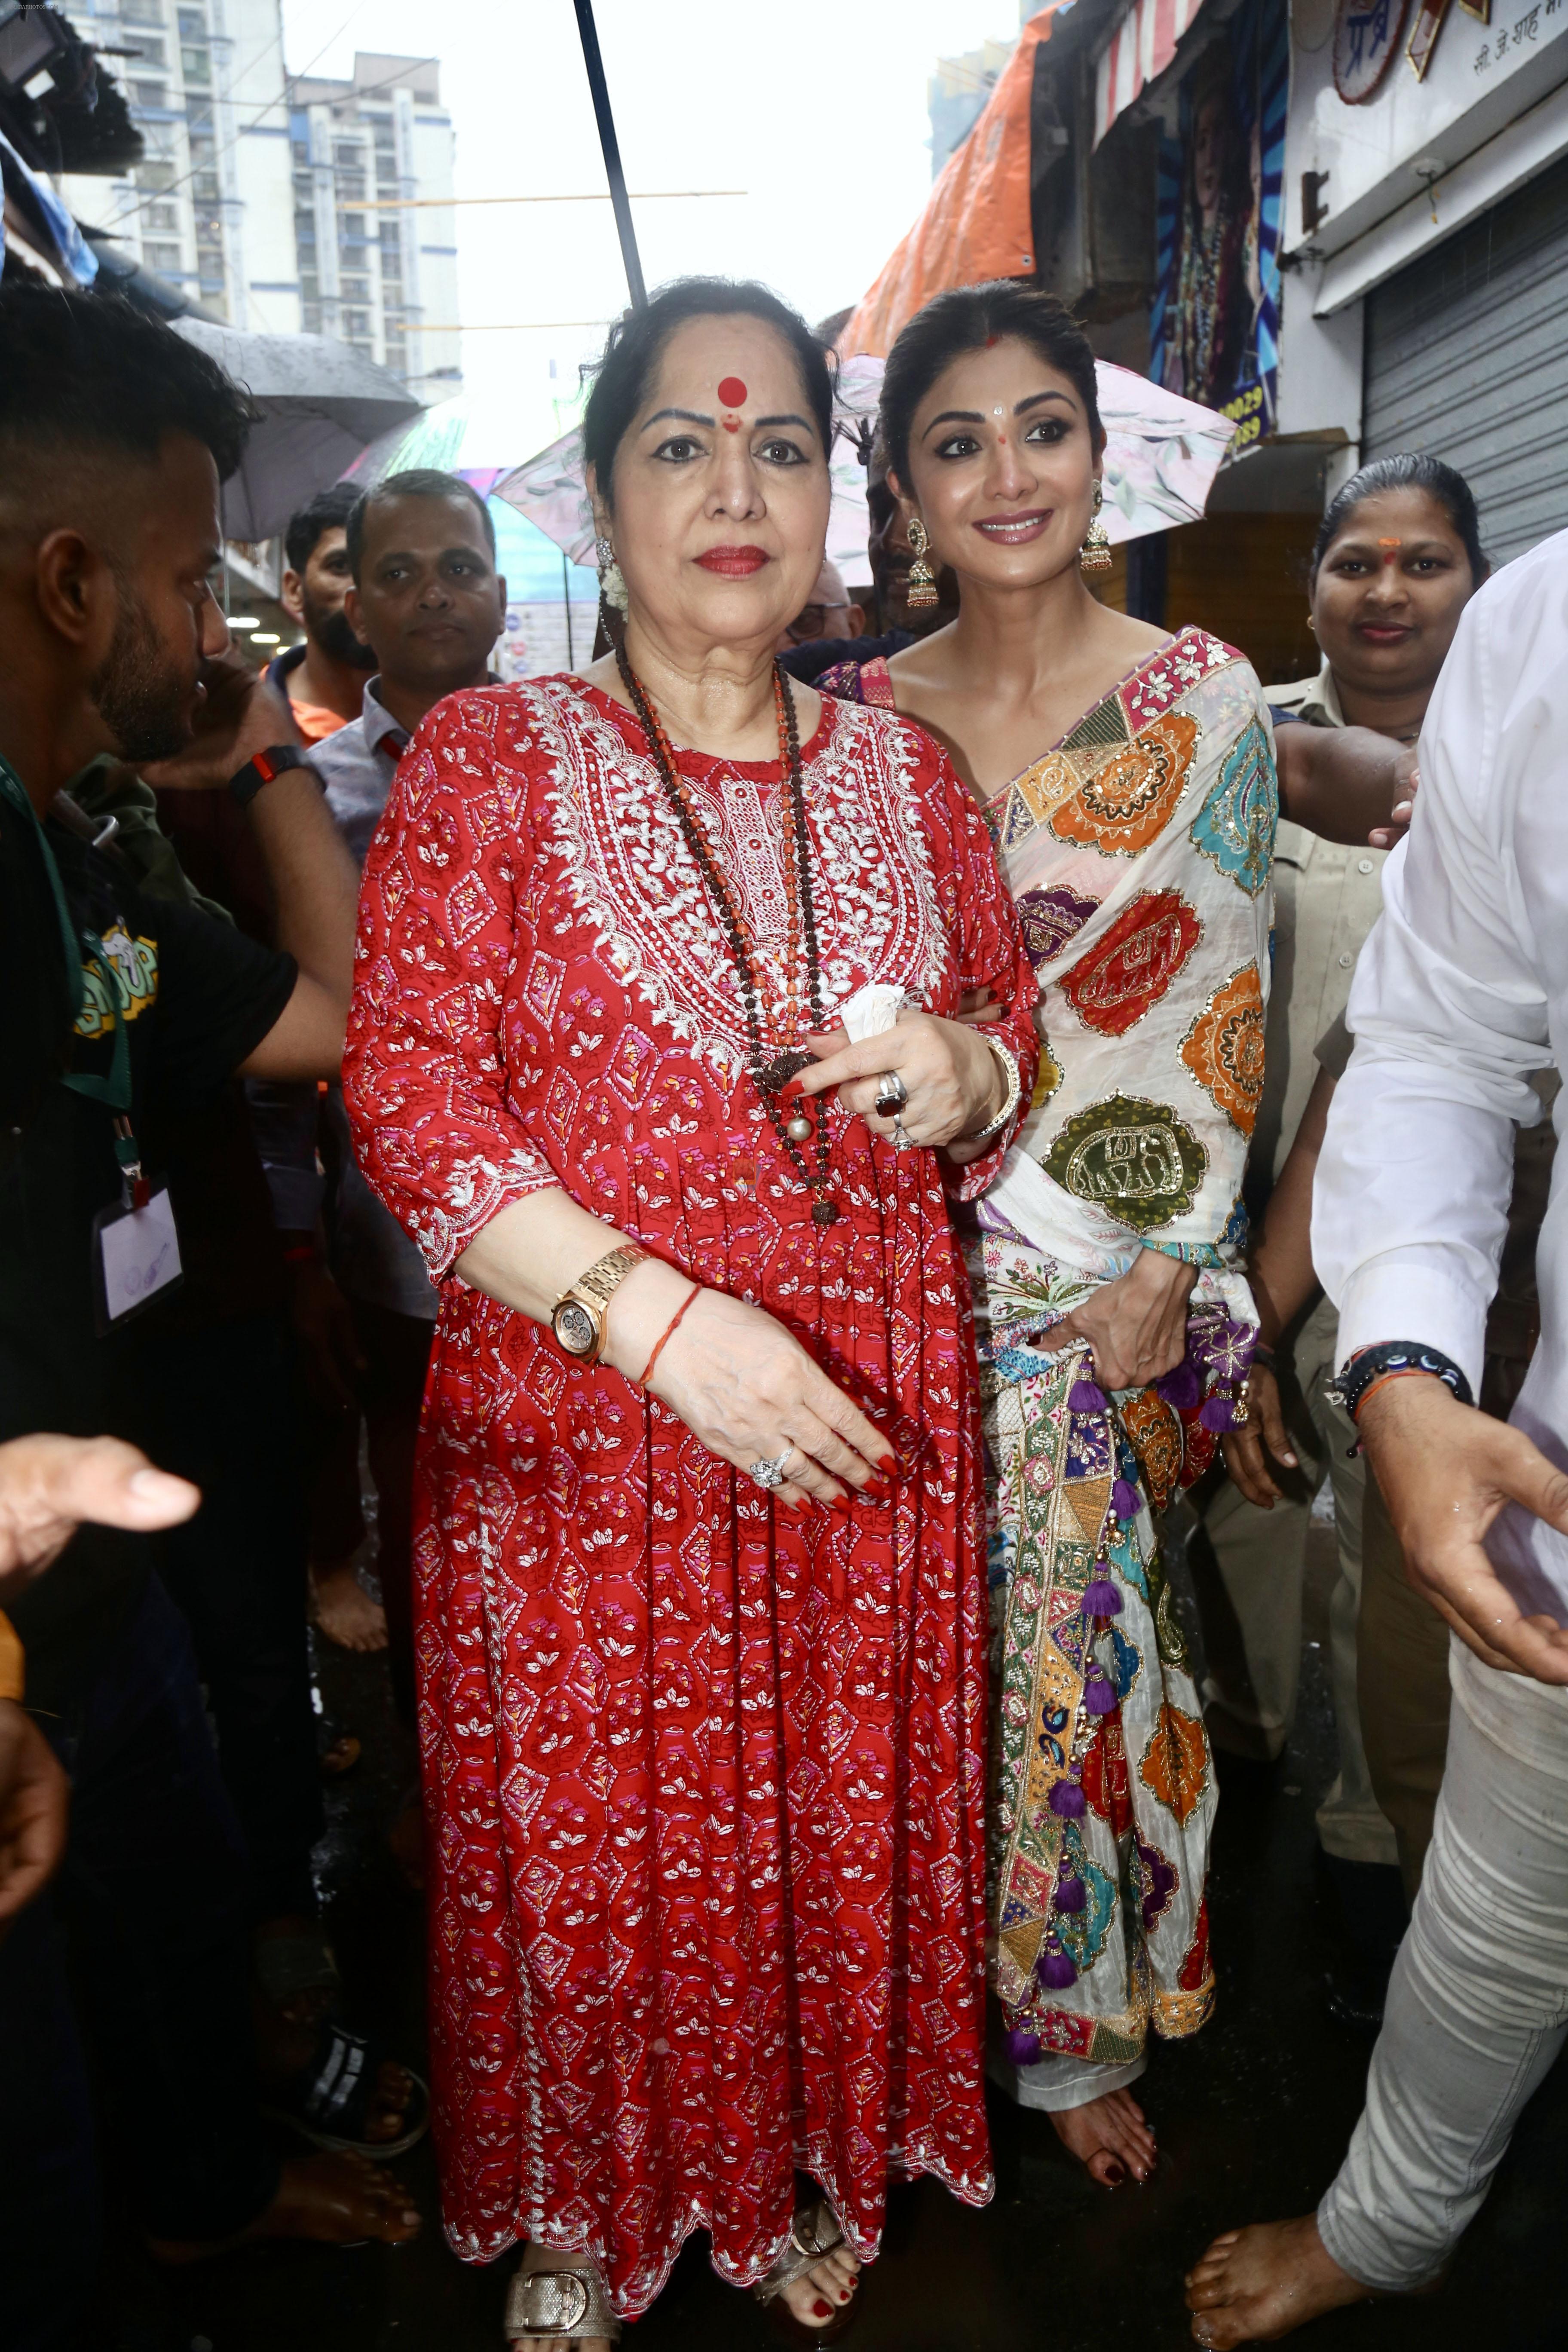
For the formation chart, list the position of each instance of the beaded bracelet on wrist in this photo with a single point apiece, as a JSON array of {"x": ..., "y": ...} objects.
[{"x": 1350, "y": 1386}]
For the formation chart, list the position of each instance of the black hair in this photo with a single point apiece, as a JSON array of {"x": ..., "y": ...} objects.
[
  {"x": 81, "y": 370},
  {"x": 965, "y": 319},
  {"x": 419, "y": 482},
  {"x": 635, "y": 345},
  {"x": 1407, "y": 470},
  {"x": 328, "y": 510}
]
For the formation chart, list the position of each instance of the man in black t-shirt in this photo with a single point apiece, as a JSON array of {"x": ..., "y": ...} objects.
[{"x": 113, "y": 436}]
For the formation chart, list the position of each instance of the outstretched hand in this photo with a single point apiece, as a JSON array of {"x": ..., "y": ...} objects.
[
  {"x": 49, "y": 1485},
  {"x": 1262, "y": 1436},
  {"x": 1445, "y": 1472}
]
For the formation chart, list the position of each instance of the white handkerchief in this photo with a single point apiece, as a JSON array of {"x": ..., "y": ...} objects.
[{"x": 872, "y": 1010}]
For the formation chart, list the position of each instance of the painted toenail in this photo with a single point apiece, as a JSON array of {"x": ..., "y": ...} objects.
[{"x": 820, "y": 2310}]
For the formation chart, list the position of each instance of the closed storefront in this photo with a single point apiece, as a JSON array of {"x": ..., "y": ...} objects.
[{"x": 1467, "y": 356}]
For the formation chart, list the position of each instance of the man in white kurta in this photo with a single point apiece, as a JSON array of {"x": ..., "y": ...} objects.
[{"x": 1461, "y": 992}]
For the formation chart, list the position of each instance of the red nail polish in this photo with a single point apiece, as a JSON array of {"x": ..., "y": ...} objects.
[
  {"x": 792, "y": 1086},
  {"x": 1115, "y": 2175},
  {"x": 839, "y": 1503},
  {"x": 889, "y": 1463},
  {"x": 820, "y": 2310}
]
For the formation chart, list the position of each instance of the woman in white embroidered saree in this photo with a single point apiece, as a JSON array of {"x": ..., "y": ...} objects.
[{"x": 1116, "y": 1334}]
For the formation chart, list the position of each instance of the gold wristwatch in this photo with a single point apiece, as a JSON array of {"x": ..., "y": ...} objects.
[{"x": 577, "y": 1318}]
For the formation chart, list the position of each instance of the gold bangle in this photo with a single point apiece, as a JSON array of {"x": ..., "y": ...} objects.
[{"x": 1012, "y": 1087}]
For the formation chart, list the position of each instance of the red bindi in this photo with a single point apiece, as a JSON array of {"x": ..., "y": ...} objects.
[
  {"x": 732, "y": 393},
  {"x": 730, "y": 424},
  {"x": 992, "y": 342}
]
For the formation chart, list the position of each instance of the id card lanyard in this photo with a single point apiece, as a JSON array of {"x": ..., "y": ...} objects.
[{"x": 133, "y": 1265}]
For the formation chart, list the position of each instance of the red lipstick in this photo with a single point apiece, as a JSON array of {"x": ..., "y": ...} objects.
[{"x": 734, "y": 563}]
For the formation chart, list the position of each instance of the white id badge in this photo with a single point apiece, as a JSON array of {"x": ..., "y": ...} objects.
[{"x": 136, "y": 1255}]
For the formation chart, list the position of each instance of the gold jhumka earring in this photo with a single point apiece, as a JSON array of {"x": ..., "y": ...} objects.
[
  {"x": 921, "y": 594},
  {"x": 1094, "y": 555}
]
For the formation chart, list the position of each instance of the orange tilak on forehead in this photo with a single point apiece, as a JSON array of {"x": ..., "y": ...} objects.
[
  {"x": 731, "y": 394},
  {"x": 1393, "y": 547}
]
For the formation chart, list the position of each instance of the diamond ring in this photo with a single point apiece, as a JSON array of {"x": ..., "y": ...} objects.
[
  {"x": 891, "y": 1093},
  {"x": 770, "y": 1474}
]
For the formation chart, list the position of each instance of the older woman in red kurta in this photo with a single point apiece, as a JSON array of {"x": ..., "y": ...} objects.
[{"x": 704, "y": 1750}]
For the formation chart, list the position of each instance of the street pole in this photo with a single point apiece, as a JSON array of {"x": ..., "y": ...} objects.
[{"x": 607, "y": 140}]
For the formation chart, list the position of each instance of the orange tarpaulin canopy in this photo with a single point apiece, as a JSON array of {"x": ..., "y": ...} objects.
[{"x": 976, "y": 221}]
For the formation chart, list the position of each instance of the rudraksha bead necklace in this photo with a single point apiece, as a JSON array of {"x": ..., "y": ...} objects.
[{"x": 770, "y": 1073}]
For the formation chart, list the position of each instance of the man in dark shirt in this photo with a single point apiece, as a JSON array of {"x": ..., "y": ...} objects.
[{"x": 113, "y": 436}]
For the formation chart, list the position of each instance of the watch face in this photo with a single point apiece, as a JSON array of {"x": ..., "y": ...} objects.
[{"x": 575, "y": 1328}]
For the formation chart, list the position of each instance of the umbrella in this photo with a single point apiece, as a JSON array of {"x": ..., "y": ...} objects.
[
  {"x": 318, "y": 403},
  {"x": 1162, "y": 454}
]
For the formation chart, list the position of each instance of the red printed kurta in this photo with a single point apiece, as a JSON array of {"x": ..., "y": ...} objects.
[{"x": 704, "y": 1780}]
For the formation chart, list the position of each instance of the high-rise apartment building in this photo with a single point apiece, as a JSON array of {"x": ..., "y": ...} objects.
[
  {"x": 210, "y": 207},
  {"x": 280, "y": 203},
  {"x": 371, "y": 162}
]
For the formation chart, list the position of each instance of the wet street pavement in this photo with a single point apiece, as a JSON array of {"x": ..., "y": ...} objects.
[{"x": 1252, "y": 2118}]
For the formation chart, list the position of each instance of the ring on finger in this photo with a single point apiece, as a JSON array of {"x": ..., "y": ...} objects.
[
  {"x": 892, "y": 1094},
  {"x": 902, "y": 1140},
  {"x": 770, "y": 1474}
]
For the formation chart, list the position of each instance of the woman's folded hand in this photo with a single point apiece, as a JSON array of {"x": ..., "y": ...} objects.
[
  {"x": 951, "y": 1077},
  {"x": 1137, "y": 1324},
  {"x": 747, "y": 1388}
]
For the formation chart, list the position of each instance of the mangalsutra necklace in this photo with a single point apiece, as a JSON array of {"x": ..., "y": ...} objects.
[{"x": 771, "y": 1070}]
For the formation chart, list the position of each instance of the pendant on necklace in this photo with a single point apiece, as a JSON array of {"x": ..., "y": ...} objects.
[
  {"x": 774, "y": 1075},
  {"x": 800, "y": 1128},
  {"x": 824, "y": 1213}
]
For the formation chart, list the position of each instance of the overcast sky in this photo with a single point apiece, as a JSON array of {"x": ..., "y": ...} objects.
[{"x": 817, "y": 109}]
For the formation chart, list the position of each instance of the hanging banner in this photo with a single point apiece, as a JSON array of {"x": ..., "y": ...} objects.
[
  {"x": 1215, "y": 333},
  {"x": 1141, "y": 48},
  {"x": 976, "y": 222}
]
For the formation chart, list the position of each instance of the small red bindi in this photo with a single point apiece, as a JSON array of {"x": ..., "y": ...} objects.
[{"x": 732, "y": 393}]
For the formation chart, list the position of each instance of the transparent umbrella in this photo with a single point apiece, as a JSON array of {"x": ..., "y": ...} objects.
[{"x": 1162, "y": 455}]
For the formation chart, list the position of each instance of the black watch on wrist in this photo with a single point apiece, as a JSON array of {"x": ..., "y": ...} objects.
[{"x": 260, "y": 769}]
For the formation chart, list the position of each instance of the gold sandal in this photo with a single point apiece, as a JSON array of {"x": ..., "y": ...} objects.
[
  {"x": 814, "y": 2234},
  {"x": 543, "y": 2303}
]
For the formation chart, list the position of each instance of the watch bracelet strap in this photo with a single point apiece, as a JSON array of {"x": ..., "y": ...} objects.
[
  {"x": 607, "y": 1274},
  {"x": 1007, "y": 1064}
]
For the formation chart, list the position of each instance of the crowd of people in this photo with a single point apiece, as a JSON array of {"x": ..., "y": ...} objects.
[{"x": 808, "y": 1161}]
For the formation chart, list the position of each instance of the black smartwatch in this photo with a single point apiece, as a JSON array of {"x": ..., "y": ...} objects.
[{"x": 260, "y": 769}]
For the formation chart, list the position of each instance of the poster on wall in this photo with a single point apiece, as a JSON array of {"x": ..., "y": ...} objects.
[{"x": 1214, "y": 333}]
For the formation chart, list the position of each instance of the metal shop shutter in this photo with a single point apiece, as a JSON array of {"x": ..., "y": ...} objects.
[{"x": 1466, "y": 358}]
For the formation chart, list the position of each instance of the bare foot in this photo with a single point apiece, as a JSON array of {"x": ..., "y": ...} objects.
[
  {"x": 821, "y": 2294},
  {"x": 338, "y": 2201},
  {"x": 344, "y": 1611},
  {"x": 1252, "y": 2286},
  {"x": 545, "y": 2258},
  {"x": 1110, "y": 2138}
]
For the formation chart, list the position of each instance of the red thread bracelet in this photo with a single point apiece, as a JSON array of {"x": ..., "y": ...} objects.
[
  {"x": 668, "y": 1332},
  {"x": 1399, "y": 1372}
]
